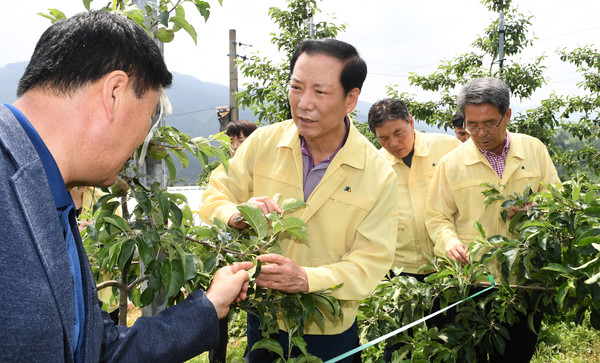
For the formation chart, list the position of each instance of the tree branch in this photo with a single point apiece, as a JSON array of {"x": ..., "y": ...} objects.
[
  {"x": 520, "y": 287},
  {"x": 109, "y": 283},
  {"x": 137, "y": 281}
]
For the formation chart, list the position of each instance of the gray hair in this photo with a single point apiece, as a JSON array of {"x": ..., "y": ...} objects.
[
  {"x": 484, "y": 90},
  {"x": 386, "y": 110}
]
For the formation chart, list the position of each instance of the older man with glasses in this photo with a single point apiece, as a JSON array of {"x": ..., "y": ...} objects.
[{"x": 496, "y": 156}]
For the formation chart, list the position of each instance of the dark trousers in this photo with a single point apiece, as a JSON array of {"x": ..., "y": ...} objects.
[
  {"x": 323, "y": 346},
  {"x": 521, "y": 346},
  {"x": 219, "y": 354}
]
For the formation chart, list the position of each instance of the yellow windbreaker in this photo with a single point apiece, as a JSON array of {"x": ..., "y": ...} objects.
[
  {"x": 413, "y": 186},
  {"x": 351, "y": 214},
  {"x": 455, "y": 200}
]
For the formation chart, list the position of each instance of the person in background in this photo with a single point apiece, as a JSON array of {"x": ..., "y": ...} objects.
[
  {"x": 85, "y": 103},
  {"x": 351, "y": 191},
  {"x": 238, "y": 131},
  {"x": 455, "y": 201},
  {"x": 414, "y": 156},
  {"x": 458, "y": 121}
]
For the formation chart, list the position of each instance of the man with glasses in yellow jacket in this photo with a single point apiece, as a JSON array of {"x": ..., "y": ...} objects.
[
  {"x": 491, "y": 155},
  {"x": 351, "y": 192}
]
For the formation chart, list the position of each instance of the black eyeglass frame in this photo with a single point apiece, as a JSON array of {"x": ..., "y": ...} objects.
[{"x": 490, "y": 129}]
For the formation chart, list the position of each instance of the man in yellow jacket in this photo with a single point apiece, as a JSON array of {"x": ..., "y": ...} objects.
[
  {"x": 351, "y": 192},
  {"x": 414, "y": 157},
  {"x": 491, "y": 155}
]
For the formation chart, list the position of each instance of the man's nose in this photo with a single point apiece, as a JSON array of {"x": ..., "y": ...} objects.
[{"x": 306, "y": 101}]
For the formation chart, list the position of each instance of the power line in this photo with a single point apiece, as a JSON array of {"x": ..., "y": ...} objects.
[
  {"x": 571, "y": 33},
  {"x": 188, "y": 113}
]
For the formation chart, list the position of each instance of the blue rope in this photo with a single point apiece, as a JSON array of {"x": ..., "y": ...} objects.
[{"x": 384, "y": 337}]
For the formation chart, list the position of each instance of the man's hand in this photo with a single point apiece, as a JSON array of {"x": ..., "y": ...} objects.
[
  {"x": 267, "y": 205},
  {"x": 281, "y": 273},
  {"x": 229, "y": 285},
  {"x": 514, "y": 210},
  {"x": 459, "y": 252}
]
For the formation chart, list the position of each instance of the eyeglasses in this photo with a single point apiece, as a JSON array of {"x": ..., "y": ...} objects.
[
  {"x": 164, "y": 106},
  {"x": 489, "y": 129}
]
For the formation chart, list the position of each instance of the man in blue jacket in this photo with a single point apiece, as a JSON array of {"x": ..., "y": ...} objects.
[{"x": 85, "y": 103}]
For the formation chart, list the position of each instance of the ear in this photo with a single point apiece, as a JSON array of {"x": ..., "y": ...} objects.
[
  {"x": 507, "y": 115},
  {"x": 114, "y": 87},
  {"x": 411, "y": 121},
  {"x": 352, "y": 100}
]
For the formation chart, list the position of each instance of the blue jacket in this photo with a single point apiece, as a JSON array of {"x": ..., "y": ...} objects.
[{"x": 35, "y": 290}]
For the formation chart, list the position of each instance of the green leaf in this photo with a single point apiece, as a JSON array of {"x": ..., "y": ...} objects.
[
  {"x": 164, "y": 205},
  {"x": 255, "y": 218},
  {"x": 192, "y": 265},
  {"x": 145, "y": 250},
  {"x": 556, "y": 267},
  {"x": 116, "y": 221},
  {"x": 561, "y": 294},
  {"x": 269, "y": 344},
  {"x": 126, "y": 253},
  {"x": 180, "y": 11},
  {"x": 300, "y": 343},
  {"x": 588, "y": 241},
  {"x": 177, "y": 213},
  {"x": 137, "y": 15},
  {"x": 86, "y": 4},
  {"x": 204, "y": 8},
  {"x": 182, "y": 156},
  {"x": 586, "y": 264},
  {"x": 592, "y": 212},
  {"x": 324, "y": 303},
  {"x": 593, "y": 279},
  {"x": 57, "y": 14},
  {"x": 163, "y": 18},
  {"x": 257, "y": 269},
  {"x": 113, "y": 254},
  {"x": 143, "y": 201},
  {"x": 147, "y": 297},
  {"x": 172, "y": 275},
  {"x": 171, "y": 167},
  {"x": 295, "y": 227},
  {"x": 180, "y": 21},
  {"x": 479, "y": 228},
  {"x": 292, "y": 204},
  {"x": 499, "y": 343}
]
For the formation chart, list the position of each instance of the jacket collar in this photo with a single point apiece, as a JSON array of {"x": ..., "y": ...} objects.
[
  {"x": 473, "y": 155},
  {"x": 421, "y": 149},
  {"x": 346, "y": 155}
]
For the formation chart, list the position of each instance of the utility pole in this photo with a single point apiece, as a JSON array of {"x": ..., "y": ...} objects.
[
  {"x": 233, "y": 77},
  {"x": 155, "y": 169},
  {"x": 311, "y": 25},
  {"x": 501, "y": 40}
]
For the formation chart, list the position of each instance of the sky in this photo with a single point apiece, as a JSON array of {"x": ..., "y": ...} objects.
[{"x": 395, "y": 37}]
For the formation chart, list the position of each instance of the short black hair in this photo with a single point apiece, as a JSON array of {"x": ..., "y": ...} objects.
[
  {"x": 77, "y": 51},
  {"x": 387, "y": 109},
  {"x": 458, "y": 120},
  {"x": 240, "y": 128},
  {"x": 354, "y": 72}
]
